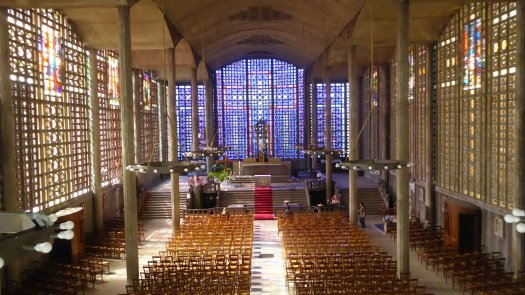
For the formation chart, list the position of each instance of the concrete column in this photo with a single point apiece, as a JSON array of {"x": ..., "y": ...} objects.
[
  {"x": 353, "y": 132},
  {"x": 307, "y": 122},
  {"x": 128, "y": 145},
  {"x": 402, "y": 138},
  {"x": 7, "y": 123},
  {"x": 518, "y": 244},
  {"x": 383, "y": 129},
  {"x": 194, "y": 111},
  {"x": 95, "y": 141},
  {"x": 314, "y": 121},
  {"x": 429, "y": 186},
  {"x": 328, "y": 133},
  {"x": 162, "y": 120},
  {"x": 210, "y": 132},
  {"x": 173, "y": 139}
]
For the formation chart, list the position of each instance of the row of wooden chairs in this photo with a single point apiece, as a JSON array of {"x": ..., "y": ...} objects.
[
  {"x": 346, "y": 263},
  {"x": 61, "y": 277},
  {"x": 474, "y": 272},
  {"x": 211, "y": 255},
  {"x": 111, "y": 243}
]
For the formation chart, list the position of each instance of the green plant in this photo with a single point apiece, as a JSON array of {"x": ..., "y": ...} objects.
[{"x": 219, "y": 172}]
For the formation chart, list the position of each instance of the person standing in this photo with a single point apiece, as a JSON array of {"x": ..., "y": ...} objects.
[{"x": 362, "y": 214}]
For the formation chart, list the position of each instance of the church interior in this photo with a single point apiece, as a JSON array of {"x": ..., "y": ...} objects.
[{"x": 262, "y": 147}]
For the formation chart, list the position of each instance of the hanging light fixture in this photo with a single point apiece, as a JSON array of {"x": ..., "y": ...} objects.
[
  {"x": 317, "y": 150},
  {"x": 207, "y": 151},
  {"x": 372, "y": 164}
]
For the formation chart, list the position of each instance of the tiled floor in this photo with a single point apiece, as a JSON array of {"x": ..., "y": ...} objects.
[
  {"x": 268, "y": 264},
  {"x": 268, "y": 271}
]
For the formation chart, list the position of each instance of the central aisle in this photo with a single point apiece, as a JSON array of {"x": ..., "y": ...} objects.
[{"x": 268, "y": 263}]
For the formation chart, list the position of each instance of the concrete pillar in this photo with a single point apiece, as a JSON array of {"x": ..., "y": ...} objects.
[
  {"x": 210, "y": 132},
  {"x": 162, "y": 120},
  {"x": 328, "y": 133},
  {"x": 353, "y": 132},
  {"x": 518, "y": 244},
  {"x": 383, "y": 129},
  {"x": 314, "y": 121},
  {"x": 7, "y": 123},
  {"x": 128, "y": 145},
  {"x": 429, "y": 186},
  {"x": 173, "y": 139},
  {"x": 95, "y": 141},
  {"x": 402, "y": 138},
  {"x": 307, "y": 122},
  {"x": 194, "y": 111}
]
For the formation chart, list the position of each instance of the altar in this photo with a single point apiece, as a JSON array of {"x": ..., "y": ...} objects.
[{"x": 256, "y": 168}]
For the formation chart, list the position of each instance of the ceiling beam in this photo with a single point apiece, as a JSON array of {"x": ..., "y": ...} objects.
[{"x": 57, "y": 4}]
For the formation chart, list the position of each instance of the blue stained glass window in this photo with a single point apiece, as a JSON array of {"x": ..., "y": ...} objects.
[
  {"x": 233, "y": 109},
  {"x": 321, "y": 114},
  {"x": 260, "y": 99},
  {"x": 253, "y": 89},
  {"x": 340, "y": 119},
  {"x": 201, "y": 92},
  {"x": 184, "y": 117}
]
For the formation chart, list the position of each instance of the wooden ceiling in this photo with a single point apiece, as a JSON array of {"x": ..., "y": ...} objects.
[{"x": 222, "y": 31}]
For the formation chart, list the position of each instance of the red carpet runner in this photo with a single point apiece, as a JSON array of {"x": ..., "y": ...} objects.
[{"x": 263, "y": 203}]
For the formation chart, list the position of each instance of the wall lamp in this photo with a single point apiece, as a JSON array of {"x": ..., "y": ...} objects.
[
  {"x": 517, "y": 216},
  {"x": 44, "y": 247},
  {"x": 64, "y": 235},
  {"x": 66, "y": 225}
]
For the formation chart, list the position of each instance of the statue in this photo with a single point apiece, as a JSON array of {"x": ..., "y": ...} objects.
[{"x": 262, "y": 135}]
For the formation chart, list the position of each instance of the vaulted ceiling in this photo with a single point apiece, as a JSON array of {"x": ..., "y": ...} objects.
[{"x": 222, "y": 31}]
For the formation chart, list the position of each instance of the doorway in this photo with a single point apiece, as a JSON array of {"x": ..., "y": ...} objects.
[{"x": 468, "y": 233}]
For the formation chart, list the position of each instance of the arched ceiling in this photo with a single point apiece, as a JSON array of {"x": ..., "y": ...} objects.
[{"x": 296, "y": 31}]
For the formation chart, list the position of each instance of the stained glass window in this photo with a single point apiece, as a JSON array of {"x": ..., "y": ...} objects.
[
  {"x": 393, "y": 107},
  {"x": 472, "y": 99},
  {"x": 184, "y": 117},
  {"x": 267, "y": 89},
  {"x": 501, "y": 77},
  {"x": 145, "y": 97},
  {"x": 146, "y": 91},
  {"x": 340, "y": 117},
  {"x": 49, "y": 54},
  {"x": 232, "y": 108},
  {"x": 49, "y": 87},
  {"x": 109, "y": 116},
  {"x": 448, "y": 93},
  {"x": 417, "y": 110},
  {"x": 113, "y": 78},
  {"x": 465, "y": 166},
  {"x": 374, "y": 100},
  {"x": 474, "y": 46},
  {"x": 321, "y": 114}
]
